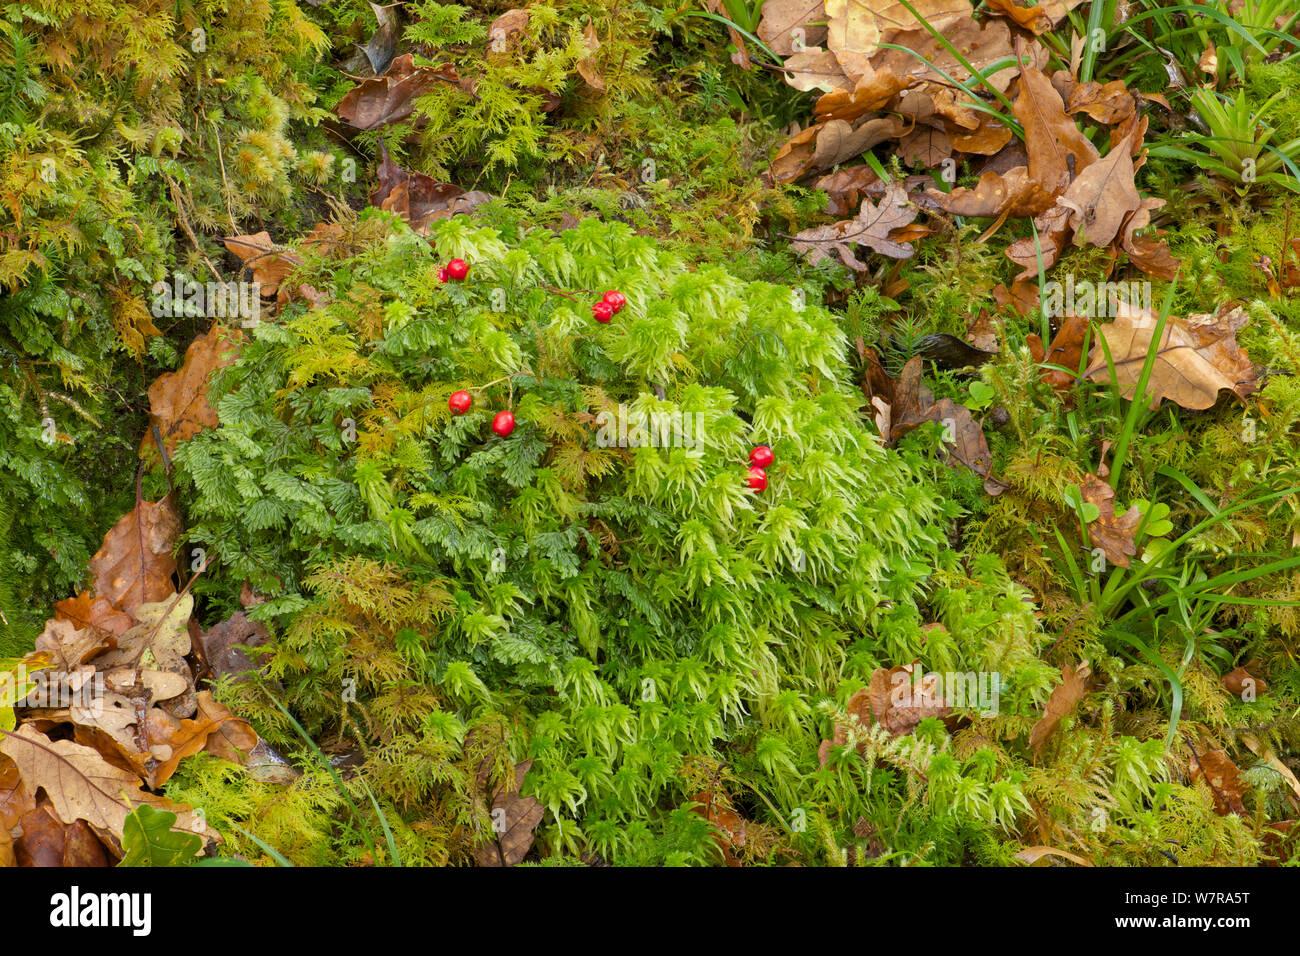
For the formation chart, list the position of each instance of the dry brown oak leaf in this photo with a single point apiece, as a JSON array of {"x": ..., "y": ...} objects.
[
  {"x": 1111, "y": 532},
  {"x": 514, "y": 820},
  {"x": 135, "y": 563},
  {"x": 870, "y": 228},
  {"x": 178, "y": 401},
  {"x": 385, "y": 99},
  {"x": 81, "y": 785},
  {"x": 1056, "y": 152},
  {"x": 1197, "y": 357}
]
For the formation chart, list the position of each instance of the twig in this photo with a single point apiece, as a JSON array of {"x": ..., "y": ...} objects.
[
  {"x": 225, "y": 185},
  {"x": 178, "y": 200}
]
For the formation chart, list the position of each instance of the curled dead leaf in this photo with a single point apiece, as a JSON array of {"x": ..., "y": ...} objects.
[
  {"x": 1223, "y": 777},
  {"x": 417, "y": 198},
  {"x": 1111, "y": 532},
  {"x": 178, "y": 401},
  {"x": 1064, "y": 699},
  {"x": 390, "y": 97}
]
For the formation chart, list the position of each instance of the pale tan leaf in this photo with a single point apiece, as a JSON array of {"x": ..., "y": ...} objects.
[
  {"x": 1064, "y": 699},
  {"x": 1196, "y": 359},
  {"x": 80, "y": 784}
]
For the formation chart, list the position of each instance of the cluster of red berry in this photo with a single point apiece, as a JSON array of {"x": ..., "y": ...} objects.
[
  {"x": 760, "y": 459},
  {"x": 610, "y": 304},
  {"x": 461, "y": 401}
]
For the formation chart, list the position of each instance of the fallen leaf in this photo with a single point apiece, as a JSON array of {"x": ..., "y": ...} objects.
[
  {"x": 327, "y": 239},
  {"x": 1032, "y": 17},
  {"x": 1197, "y": 357},
  {"x": 948, "y": 351},
  {"x": 15, "y": 799},
  {"x": 846, "y": 188},
  {"x": 926, "y": 145},
  {"x": 586, "y": 67},
  {"x": 380, "y": 47},
  {"x": 189, "y": 738},
  {"x": 1238, "y": 681},
  {"x": 1111, "y": 532},
  {"x": 982, "y": 44},
  {"x": 221, "y": 645},
  {"x": 153, "y": 654},
  {"x": 905, "y": 404},
  {"x": 506, "y": 29},
  {"x": 838, "y": 141},
  {"x": 731, "y": 829},
  {"x": 390, "y": 97},
  {"x": 270, "y": 264},
  {"x": 68, "y": 647},
  {"x": 870, "y": 228},
  {"x": 1150, "y": 255},
  {"x": 899, "y": 702},
  {"x": 135, "y": 563},
  {"x": 1107, "y": 103},
  {"x": 178, "y": 401},
  {"x": 1066, "y": 351},
  {"x": 982, "y": 333},
  {"x": 47, "y": 842},
  {"x": 1216, "y": 768},
  {"x": 1102, "y": 198},
  {"x": 95, "y": 613},
  {"x": 230, "y": 738},
  {"x": 869, "y": 94},
  {"x": 514, "y": 819},
  {"x": 791, "y": 26},
  {"x": 1021, "y": 298},
  {"x": 987, "y": 139},
  {"x": 417, "y": 198},
  {"x": 110, "y": 725},
  {"x": 1065, "y": 697},
  {"x": 1058, "y": 151},
  {"x": 1209, "y": 60},
  {"x": 1053, "y": 228},
  {"x": 80, "y": 784},
  {"x": 816, "y": 69}
]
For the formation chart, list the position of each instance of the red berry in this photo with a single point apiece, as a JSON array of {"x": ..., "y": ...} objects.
[
  {"x": 503, "y": 423},
  {"x": 762, "y": 456},
  {"x": 757, "y": 478},
  {"x": 460, "y": 402},
  {"x": 456, "y": 270},
  {"x": 442, "y": 274},
  {"x": 603, "y": 311},
  {"x": 616, "y": 299}
]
